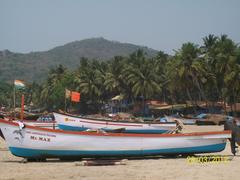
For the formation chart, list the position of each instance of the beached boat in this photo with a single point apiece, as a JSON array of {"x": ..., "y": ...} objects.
[
  {"x": 77, "y": 123},
  {"x": 33, "y": 142}
]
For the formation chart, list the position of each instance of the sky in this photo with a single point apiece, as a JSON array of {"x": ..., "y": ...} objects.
[{"x": 39, "y": 25}]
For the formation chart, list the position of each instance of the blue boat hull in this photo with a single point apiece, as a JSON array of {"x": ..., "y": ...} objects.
[{"x": 40, "y": 153}]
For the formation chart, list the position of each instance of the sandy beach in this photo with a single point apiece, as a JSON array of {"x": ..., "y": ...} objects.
[{"x": 137, "y": 169}]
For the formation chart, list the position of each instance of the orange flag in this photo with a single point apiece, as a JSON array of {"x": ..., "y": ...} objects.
[{"x": 75, "y": 96}]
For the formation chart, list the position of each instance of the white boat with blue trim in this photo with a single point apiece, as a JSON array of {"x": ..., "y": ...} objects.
[
  {"x": 78, "y": 123},
  {"x": 33, "y": 142}
]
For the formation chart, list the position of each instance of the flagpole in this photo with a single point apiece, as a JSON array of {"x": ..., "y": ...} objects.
[
  {"x": 65, "y": 102},
  {"x": 22, "y": 107},
  {"x": 14, "y": 100},
  {"x": 67, "y": 95}
]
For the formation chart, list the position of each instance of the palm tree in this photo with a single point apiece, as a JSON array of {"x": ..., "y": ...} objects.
[
  {"x": 189, "y": 69},
  {"x": 209, "y": 54},
  {"x": 229, "y": 69},
  {"x": 141, "y": 76},
  {"x": 89, "y": 81},
  {"x": 52, "y": 94},
  {"x": 225, "y": 53},
  {"x": 209, "y": 46},
  {"x": 143, "y": 81},
  {"x": 137, "y": 58},
  {"x": 112, "y": 79},
  {"x": 219, "y": 53},
  {"x": 160, "y": 68},
  {"x": 33, "y": 94},
  {"x": 232, "y": 82}
]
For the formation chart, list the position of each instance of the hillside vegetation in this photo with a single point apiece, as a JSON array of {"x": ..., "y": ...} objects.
[{"x": 34, "y": 66}]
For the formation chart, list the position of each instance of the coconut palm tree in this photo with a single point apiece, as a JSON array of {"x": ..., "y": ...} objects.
[
  {"x": 143, "y": 80},
  {"x": 209, "y": 53},
  {"x": 189, "y": 68},
  {"x": 160, "y": 68},
  {"x": 53, "y": 89},
  {"x": 89, "y": 80},
  {"x": 225, "y": 53},
  {"x": 112, "y": 79}
]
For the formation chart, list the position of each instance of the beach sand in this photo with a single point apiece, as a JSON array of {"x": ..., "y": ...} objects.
[{"x": 137, "y": 169}]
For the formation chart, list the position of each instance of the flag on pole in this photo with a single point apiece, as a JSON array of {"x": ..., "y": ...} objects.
[
  {"x": 67, "y": 93},
  {"x": 19, "y": 84},
  {"x": 75, "y": 96}
]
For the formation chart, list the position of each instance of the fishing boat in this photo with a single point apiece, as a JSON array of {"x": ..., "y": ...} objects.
[
  {"x": 33, "y": 142},
  {"x": 78, "y": 123}
]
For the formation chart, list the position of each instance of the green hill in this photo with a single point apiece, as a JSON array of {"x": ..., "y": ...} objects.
[{"x": 35, "y": 65}]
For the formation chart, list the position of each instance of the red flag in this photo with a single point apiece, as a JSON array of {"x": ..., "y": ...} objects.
[{"x": 75, "y": 96}]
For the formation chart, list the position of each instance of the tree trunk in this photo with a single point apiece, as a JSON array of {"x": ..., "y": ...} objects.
[
  {"x": 200, "y": 89},
  {"x": 225, "y": 107},
  {"x": 190, "y": 98}
]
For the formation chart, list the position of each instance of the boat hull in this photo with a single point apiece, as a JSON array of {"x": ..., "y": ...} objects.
[
  {"x": 33, "y": 142},
  {"x": 43, "y": 153},
  {"x": 74, "y": 123}
]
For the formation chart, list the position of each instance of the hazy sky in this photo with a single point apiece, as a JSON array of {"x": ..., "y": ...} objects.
[{"x": 37, "y": 25}]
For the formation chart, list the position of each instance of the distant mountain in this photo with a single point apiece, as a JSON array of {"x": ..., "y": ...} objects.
[{"x": 35, "y": 65}]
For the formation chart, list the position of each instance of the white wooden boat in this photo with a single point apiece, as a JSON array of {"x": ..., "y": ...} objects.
[
  {"x": 77, "y": 123},
  {"x": 33, "y": 142}
]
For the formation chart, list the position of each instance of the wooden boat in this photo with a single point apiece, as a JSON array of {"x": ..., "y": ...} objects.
[
  {"x": 77, "y": 123},
  {"x": 33, "y": 142}
]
